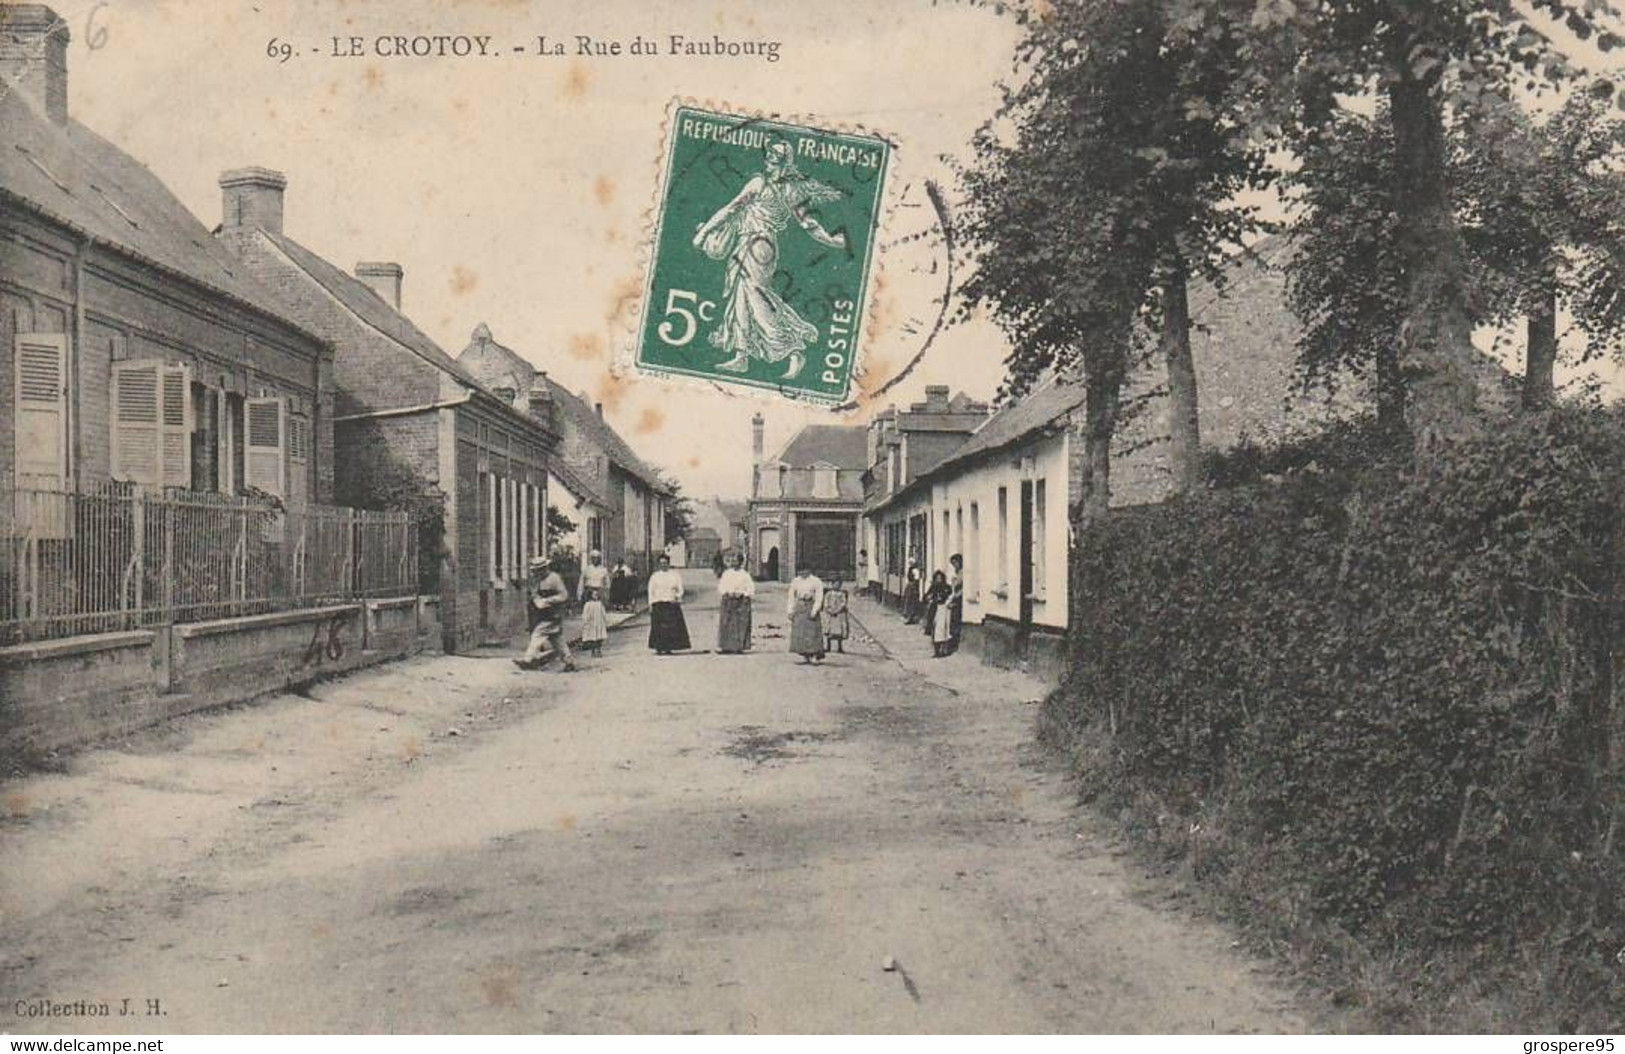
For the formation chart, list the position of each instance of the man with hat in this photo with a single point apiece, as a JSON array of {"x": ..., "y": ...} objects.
[{"x": 548, "y": 596}]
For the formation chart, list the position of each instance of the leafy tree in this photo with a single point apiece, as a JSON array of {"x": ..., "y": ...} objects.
[
  {"x": 1542, "y": 212},
  {"x": 1424, "y": 58},
  {"x": 558, "y": 524},
  {"x": 1087, "y": 223},
  {"x": 679, "y": 513}
]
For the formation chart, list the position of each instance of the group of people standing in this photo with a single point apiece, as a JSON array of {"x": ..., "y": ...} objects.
[
  {"x": 940, "y": 605},
  {"x": 819, "y": 618}
]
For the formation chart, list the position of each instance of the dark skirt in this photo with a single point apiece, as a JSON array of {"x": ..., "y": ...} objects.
[
  {"x": 806, "y": 635},
  {"x": 667, "y": 630},
  {"x": 733, "y": 625}
]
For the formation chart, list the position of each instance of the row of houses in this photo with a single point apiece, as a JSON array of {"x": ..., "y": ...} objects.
[
  {"x": 948, "y": 475},
  {"x": 143, "y": 352}
]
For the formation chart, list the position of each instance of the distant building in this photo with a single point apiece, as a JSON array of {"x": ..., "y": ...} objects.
[
  {"x": 409, "y": 417},
  {"x": 806, "y": 502},
  {"x": 631, "y": 522},
  {"x": 901, "y": 446},
  {"x": 133, "y": 347}
]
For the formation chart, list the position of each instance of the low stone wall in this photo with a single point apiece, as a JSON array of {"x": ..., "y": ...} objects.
[
  {"x": 63, "y": 693},
  {"x": 999, "y": 643}
]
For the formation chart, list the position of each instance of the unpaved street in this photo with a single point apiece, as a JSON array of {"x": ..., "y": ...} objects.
[{"x": 696, "y": 843}]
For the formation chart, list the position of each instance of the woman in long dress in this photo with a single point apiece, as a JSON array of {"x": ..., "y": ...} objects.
[
  {"x": 733, "y": 625},
  {"x": 938, "y": 619},
  {"x": 805, "y": 605},
  {"x": 956, "y": 601},
  {"x": 667, "y": 630},
  {"x": 911, "y": 591},
  {"x": 756, "y": 322}
]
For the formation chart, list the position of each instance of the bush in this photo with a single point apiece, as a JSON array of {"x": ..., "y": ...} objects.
[{"x": 1389, "y": 692}]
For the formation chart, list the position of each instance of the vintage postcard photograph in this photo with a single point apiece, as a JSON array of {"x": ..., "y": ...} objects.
[{"x": 869, "y": 518}]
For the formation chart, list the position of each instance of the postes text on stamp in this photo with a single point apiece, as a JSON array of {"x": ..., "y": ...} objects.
[{"x": 764, "y": 238}]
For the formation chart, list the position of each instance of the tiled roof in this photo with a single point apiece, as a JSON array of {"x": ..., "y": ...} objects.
[
  {"x": 844, "y": 446},
  {"x": 1037, "y": 410},
  {"x": 491, "y": 358},
  {"x": 73, "y": 175},
  {"x": 364, "y": 301},
  {"x": 609, "y": 440},
  {"x": 575, "y": 484}
]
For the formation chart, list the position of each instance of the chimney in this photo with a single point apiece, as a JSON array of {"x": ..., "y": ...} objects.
[
  {"x": 252, "y": 197},
  {"x": 34, "y": 57},
  {"x": 936, "y": 397},
  {"x": 385, "y": 280},
  {"x": 600, "y": 408},
  {"x": 541, "y": 399},
  {"x": 757, "y": 425}
]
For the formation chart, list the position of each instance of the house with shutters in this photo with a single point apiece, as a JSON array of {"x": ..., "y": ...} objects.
[
  {"x": 135, "y": 350},
  {"x": 806, "y": 502},
  {"x": 409, "y": 423},
  {"x": 624, "y": 498}
]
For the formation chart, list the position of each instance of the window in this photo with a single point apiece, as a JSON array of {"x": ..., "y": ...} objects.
[
  {"x": 1040, "y": 538},
  {"x": 824, "y": 481},
  {"x": 265, "y": 455},
  {"x": 1002, "y": 566},
  {"x": 41, "y": 410},
  {"x": 233, "y": 438},
  {"x": 152, "y": 423},
  {"x": 298, "y": 459},
  {"x": 973, "y": 554}
]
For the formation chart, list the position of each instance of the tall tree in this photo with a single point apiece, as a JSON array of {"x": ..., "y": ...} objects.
[
  {"x": 1427, "y": 59},
  {"x": 1107, "y": 182}
]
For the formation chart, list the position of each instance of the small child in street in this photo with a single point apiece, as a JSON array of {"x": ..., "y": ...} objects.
[
  {"x": 594, "y": 622},
  {"x": 836, "y": 621}
]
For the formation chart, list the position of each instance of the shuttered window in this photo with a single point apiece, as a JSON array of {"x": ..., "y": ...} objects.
[
  {"x": 265, "y": 461},
  {"x": 298, "y": 458},
  {"x": 152, "y": 423},
  {"x": 42, "y": 410}
]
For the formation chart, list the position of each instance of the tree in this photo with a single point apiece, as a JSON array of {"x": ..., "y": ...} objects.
[
  {"x": 679, "y": 513},
  {"x": 1541, "y": 212},
  {"x": 558, "y": 524},
  {"x": 1534, "y": 207},
  {"x": 1425, "y": 58},
  {"x": 1086, "y": 224}
]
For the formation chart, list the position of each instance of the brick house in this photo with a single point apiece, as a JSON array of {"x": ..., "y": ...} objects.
[
  {"x": 902, "y": 445},
  {"x": 408, "y": 420},
  {"x": 133, "y": 346},
  {"x": 806, "y": 502},
  {"x": 631, "y": 496}
]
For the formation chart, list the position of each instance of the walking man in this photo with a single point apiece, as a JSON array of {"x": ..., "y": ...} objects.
[{"x": 548, "y": 597}]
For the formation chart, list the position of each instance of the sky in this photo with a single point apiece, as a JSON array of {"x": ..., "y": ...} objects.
[{"x": 517, "y": 190}]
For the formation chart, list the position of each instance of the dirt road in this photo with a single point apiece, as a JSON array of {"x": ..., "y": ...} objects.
[{"x": 695, "y": 843}]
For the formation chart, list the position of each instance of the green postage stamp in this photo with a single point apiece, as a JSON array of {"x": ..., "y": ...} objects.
[{"x": 764, "y": 239}]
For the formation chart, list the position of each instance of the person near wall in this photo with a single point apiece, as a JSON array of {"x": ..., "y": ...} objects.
[
  {"x": 548, "y": 598},
  {"x": 938, "y": 621},
  {"x": 805, "y": 606},
  {"x": 911, "y": 590},
  {"x": 956, "y": 601},
  {"x": 594, "y": 620},
  {"x": 737, "y": 589},
  {"x": 620, "y": 586},
  {"x": 860, "y": 585},
  {"x": 668, "y": 632},
  {"x": 837, "y": 622}
]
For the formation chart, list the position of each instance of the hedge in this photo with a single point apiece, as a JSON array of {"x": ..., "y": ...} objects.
[{"x": 1392, "y": 698}]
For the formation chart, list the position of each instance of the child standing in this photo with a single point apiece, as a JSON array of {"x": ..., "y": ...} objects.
[
  {"x": 594, "y": 623},
  {"x": 836, "y": 620}
]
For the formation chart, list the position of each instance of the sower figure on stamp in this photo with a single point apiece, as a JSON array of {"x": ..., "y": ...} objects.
[
  {"x": 756, "y": 322},
  {"x": 548, "y": 597}
]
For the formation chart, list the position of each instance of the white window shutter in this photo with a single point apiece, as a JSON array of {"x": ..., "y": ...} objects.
[
  {"x": 137, "y": 393},
  {"x": 265, "y": 452},
  {"x": 177, "y": 426},
  {"x": 42, "y": 403}
]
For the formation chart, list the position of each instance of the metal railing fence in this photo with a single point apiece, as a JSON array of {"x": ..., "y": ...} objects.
[{"x": 124, "y": 558}]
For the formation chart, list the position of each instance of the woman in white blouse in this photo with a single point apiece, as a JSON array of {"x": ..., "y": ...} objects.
[
  {"x": 667, "y": 630},
  {"x": 805, "y": 605},
  {"x": 733, "y": 624}
]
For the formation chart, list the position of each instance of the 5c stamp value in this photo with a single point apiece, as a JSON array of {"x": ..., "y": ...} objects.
[{"x": 763, "y": 246}]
